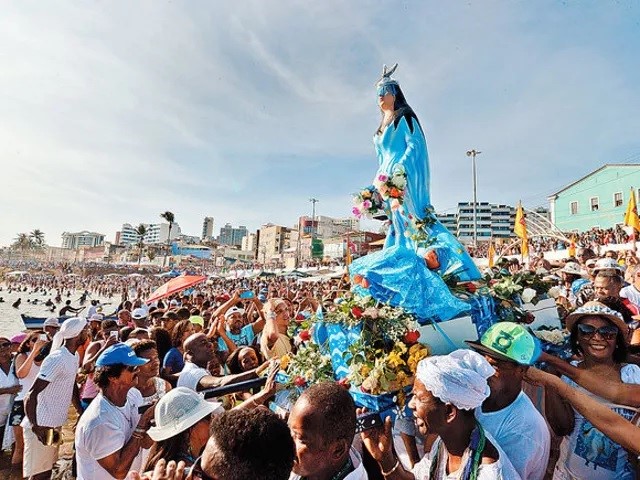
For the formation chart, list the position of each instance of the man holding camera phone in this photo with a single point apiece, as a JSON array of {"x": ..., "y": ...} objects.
[{"x": 236, "y": 330}]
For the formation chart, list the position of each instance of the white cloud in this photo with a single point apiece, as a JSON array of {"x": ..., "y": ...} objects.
[{"x": 115, "y": 112}]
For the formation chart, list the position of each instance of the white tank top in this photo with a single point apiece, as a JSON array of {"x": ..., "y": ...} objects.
[{"x": 27, "y": 381}]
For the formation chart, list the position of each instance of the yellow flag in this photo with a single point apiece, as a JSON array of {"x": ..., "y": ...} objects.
[
  {"x": 631, "y": 215},
  {"x": 520, "y": 229},
  {"x": 491, "y": 254},
  {"x": 572, "y": 247}
]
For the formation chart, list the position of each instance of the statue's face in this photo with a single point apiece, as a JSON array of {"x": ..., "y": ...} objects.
[{"x": 386, "y": 96}]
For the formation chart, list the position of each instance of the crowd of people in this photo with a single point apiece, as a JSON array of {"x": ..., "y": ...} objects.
[
  {"x": 181, "y": 388},
  {"x": 597, "y": 239}
]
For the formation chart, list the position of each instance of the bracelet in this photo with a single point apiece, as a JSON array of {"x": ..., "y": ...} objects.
[
  {"x": 137, "y": 436},
  {"x": 140, "y": 430},
  {"x": 395, "y": 467}
]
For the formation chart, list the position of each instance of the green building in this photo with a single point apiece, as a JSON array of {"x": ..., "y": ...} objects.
[{"x": 598, "y": 199}]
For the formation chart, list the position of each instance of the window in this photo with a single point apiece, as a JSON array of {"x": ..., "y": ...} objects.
[
  {"x": 617, "y": 199},
  {"x": 574, "y": 208},
  {"x": 595, "y": 201}
]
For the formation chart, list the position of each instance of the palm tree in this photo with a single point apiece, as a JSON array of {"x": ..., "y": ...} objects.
[
  {"x": 141, "y": 231},
  {"x": 38, "y": 237},
  {"x": 171, "y": 218},
  {"x": 23, "y": 242}
]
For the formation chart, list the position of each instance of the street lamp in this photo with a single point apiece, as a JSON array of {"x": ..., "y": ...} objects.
[
  {"x": 472, "y": 154},
  {"x": 313, "y": 216}
]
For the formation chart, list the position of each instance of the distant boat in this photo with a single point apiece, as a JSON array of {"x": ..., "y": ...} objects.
[{"x": 36, "y": 323}]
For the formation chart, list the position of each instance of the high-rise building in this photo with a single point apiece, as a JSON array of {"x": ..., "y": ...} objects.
[
  {"x": 492, "y": 220},
  {"x": 82, "y": 239},
  {"x": 273, "y": 240},
  {"x": 326, "y": 227},
  {"x": 157, "y": 233},
  {"x": 207, "y": 228},
  {"x": 249, "y": 242},
  {"x": 230, "y": 235}
]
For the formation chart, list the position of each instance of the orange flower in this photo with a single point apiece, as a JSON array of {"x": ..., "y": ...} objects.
[{"x": 395, "y": 193}]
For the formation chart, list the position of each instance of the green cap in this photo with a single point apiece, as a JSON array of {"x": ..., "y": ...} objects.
[
  {"x": 510, "y": 342},
  {"x": 197, "y": 320}
]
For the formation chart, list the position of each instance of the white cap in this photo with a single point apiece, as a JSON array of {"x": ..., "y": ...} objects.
[
  {"x": 51, "y": 322},
  {"x": 233, "y": 310},
  {"x": 180, "y": 409},
  {"x": 607, "y": 264},
  {"x": 96, "y": 317},
  {"x": 139, "y": 313}
]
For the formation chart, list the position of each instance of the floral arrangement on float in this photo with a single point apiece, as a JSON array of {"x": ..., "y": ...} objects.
[{"x": 369, "y": 347}]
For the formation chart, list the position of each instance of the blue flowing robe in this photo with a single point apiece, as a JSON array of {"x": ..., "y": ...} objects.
[{"x": 398, "y": 274}]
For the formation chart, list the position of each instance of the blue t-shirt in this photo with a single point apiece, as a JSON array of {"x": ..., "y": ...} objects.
[
  {"x": 244, "y": 338},
  {"x": 173, "y": 361}
]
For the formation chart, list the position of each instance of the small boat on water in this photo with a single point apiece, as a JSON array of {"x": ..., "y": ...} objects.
[{"x": 36, "y": 323}]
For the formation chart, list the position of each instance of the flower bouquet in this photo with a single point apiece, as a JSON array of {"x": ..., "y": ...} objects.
[
  {"x": 367, "y": 203},
  {"x": 392, "y": 187},
  {"x": 306, "y": 367}
]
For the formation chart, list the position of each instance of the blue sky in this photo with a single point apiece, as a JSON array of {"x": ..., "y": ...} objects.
[{"x": 113, "y": 112}]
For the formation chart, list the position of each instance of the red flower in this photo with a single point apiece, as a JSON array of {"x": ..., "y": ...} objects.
[
  {"x": 411, "y": 337},
  {"x": 471, "y": 287},
  {"x": 528, "y": 318},
  {"x": 357, "y": 312},
  {"x": 300, "y": 318},
  {"x": 299, "y": 381},
  {"x": 304, "y": 335}
]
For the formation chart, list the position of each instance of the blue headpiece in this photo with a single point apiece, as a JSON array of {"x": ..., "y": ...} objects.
[{"x": 386, "y": 84}]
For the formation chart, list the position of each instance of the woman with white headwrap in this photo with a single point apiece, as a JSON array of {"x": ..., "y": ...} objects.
[{"x": 446, "y": 391}]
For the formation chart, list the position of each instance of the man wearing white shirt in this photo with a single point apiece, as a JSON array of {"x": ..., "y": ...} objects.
[
  {"x": 47, "y": 403},
  {"x": 508, "y": 414},
  {"x": 323, "y": 424},
  {"x": 111, "y": 433},
  {"x": 632, "y": 292},
  {"x": 199, "y": 352}
]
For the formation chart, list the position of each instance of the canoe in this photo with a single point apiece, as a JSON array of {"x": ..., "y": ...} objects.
[{"x": 36, "y": 323}]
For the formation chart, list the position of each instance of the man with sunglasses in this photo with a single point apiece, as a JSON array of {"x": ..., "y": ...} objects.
[
  {"x": 111, "y": 432},
  {"x": 508, "y": 414}
]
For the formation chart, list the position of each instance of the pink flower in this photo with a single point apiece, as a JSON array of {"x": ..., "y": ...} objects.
[
  {"x": 366, "y": 204},
  {"x": 382, "y": 178},
  {"x": 356, "y": 211}
]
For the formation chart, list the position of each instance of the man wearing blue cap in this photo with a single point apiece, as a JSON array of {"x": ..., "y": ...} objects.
[
  {"x": 508, "y": 414},
  {"x": 111, "y": 432}
]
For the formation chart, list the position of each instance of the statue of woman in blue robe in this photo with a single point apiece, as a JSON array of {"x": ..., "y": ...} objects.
[{"x": 418, "y": 250}]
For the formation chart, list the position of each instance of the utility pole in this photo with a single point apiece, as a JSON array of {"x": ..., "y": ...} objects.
[
  {"x": 313, "y": 216},
  {"x": 472, "y": 154}
]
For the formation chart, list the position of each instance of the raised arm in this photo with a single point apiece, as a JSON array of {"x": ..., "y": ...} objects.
[
  {"x": 614, "y": 391},
  {"x": 614, "y": 426}
]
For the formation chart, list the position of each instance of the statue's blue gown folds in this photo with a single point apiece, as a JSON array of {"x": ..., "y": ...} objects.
[{"x": 398, "y": 274}]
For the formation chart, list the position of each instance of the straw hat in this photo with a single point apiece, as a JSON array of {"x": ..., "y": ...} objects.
[
  {"x": 180, "y": 409},
  {"x": 599, "y": 310}
]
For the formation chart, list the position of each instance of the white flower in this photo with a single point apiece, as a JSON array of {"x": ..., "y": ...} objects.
[
  {"x": 554, "y": 292},
  {"x": 528, "y": 294},
  {"x": 555, "y": 337}
]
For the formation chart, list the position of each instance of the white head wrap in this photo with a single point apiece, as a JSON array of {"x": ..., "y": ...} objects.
[
  {"x": 70, "y": 328},
  {"x": 459, "y": 378}
]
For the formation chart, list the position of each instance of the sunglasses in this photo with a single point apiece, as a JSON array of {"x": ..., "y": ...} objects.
[
  {"x": 608, "y": 332},
  {"x": 196, "y": 472}
]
